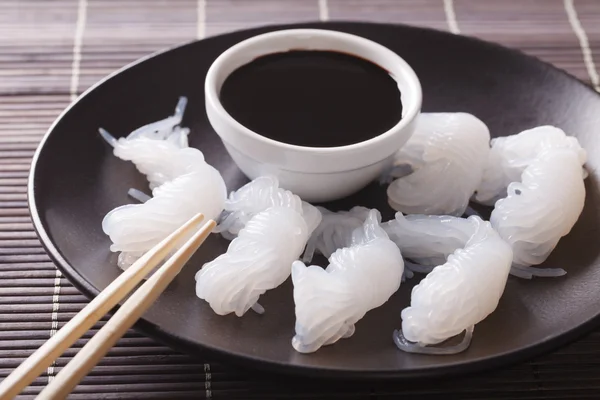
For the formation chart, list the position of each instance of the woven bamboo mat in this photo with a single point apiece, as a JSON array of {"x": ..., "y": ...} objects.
[{"x": 52, "y": 50}]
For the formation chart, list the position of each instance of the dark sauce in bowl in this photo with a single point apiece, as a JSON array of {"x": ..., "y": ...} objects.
[{"x": 313, "y": 98}]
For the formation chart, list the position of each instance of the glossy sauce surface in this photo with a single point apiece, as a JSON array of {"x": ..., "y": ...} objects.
[{"x": 313, "y": 98}]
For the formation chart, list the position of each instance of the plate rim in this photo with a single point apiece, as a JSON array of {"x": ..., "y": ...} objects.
[{"x": 176, "y": 342}]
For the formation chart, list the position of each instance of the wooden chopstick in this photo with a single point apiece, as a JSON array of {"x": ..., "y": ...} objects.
[
  {"x": 106, "y": 300},
  {"x": 123, "y": 319}
]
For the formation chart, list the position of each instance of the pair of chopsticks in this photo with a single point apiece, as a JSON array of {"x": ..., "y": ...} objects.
[{"x": 115, "y": 328}]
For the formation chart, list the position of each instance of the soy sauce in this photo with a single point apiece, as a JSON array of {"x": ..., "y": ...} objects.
[{"x": 313, "y": 98}]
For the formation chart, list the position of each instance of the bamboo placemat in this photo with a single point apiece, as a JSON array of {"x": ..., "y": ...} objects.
[{"x": 52, "y": 50}]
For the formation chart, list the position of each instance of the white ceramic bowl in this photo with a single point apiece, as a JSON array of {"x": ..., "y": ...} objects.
[{"x": 314, "y": 173}]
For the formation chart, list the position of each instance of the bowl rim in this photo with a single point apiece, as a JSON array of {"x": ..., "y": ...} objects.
[{"x": 410, "y": 109}]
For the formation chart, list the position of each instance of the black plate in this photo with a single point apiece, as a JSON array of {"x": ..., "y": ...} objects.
[{"x": 76, "y": 180}]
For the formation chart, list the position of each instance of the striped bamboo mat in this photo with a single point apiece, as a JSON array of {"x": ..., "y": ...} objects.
[{"x": 52, "y": 50}]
